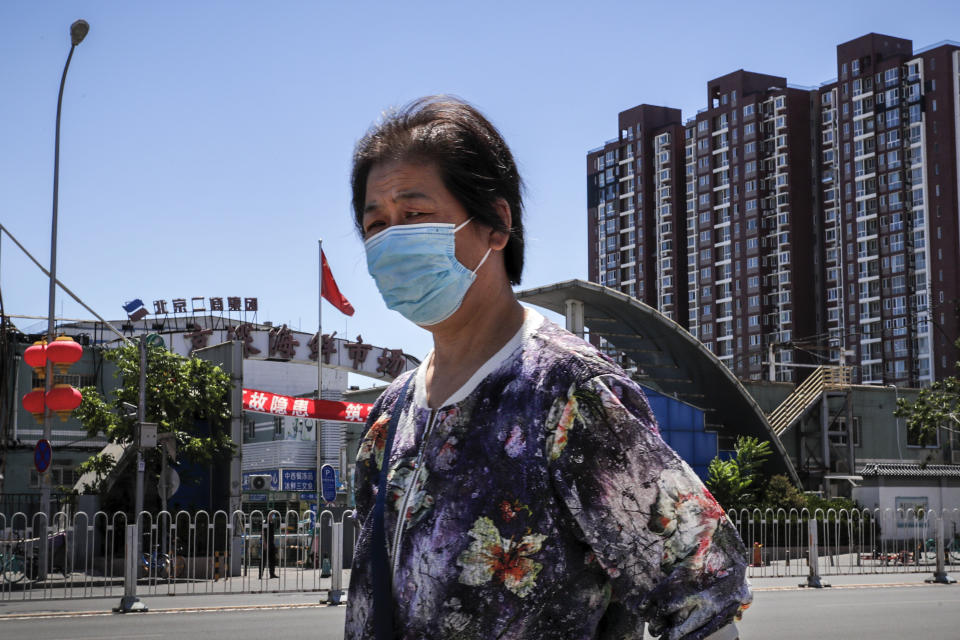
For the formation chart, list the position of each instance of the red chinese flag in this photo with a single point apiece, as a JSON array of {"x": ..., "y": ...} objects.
[{"x": 330, "y": 290}]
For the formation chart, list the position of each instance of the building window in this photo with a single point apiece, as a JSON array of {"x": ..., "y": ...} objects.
[
  {"x": 60, "y": 476},
  {"x": 841, "y": 438}
]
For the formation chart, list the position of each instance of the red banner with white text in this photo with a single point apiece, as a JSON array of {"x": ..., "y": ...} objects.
[{"x": 281, "y": 405}]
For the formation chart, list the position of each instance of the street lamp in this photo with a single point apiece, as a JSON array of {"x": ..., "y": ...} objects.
[{"x": 78, "y": 31}]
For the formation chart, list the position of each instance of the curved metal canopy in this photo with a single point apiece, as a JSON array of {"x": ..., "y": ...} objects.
[{"x": 668, "y": 359}]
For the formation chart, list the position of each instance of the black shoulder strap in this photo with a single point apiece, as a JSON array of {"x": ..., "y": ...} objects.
[{"x": 380, "y": 562}]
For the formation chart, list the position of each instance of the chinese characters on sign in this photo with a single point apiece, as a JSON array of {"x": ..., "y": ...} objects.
[
  {"x": 278, "y": 405},
  {"x": 357, "y": 351},
  {"x": 353, "y": 411},
  {"x": 391, "y": 362},
  {"x": 197, "y": 337},
  {"x": 243, "y": 333},
  {"x": 281, "y": 405},
  {"x": 282, "y": 343},
  {"x": 198, "y": 305},
  {"x": 255, "y": 401},
  {"x": 327, "y": 346},
  {"x": 298, "y": 479},
  {"x": 262, "y": 340}
]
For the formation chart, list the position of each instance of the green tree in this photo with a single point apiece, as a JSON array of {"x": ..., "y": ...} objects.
[
  {"x": 735, "y": 482},
  {"x": 936, "y": 407},
  {"x": 780, "y": 493},
  {"x": 100, "y": 465},
  {"x": 188, "y": 397}
]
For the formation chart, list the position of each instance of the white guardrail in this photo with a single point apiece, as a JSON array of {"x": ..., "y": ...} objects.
[
  {"x": 178, "y": 554},
  {"x": 202, "y": 553},
  {"x": 856, "y": 541}
]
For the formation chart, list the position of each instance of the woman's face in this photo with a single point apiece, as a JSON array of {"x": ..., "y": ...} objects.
[{"x": 413, "y": 193}]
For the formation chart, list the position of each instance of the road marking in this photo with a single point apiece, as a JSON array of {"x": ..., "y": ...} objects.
[
  {"x": 128, "y": 637},
  {"x": 223, "y": 609},
  {"x": 885, "y": 585}
]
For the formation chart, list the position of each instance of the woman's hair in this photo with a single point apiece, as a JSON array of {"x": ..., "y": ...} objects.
[{"x": 474, "y": 162}]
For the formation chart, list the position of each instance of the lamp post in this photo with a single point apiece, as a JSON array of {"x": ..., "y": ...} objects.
[{"x": 78, "y": 31}]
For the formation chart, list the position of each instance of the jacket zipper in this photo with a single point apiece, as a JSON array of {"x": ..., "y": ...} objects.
[{"x": 411, "y": 487}]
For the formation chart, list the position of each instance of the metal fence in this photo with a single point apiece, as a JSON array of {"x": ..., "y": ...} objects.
[
  {"x": 857, "y": 541},
  {"x": 85, "y": 556}
]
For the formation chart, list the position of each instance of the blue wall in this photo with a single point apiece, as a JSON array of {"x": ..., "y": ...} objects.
[{"x": 682, "y": 427}]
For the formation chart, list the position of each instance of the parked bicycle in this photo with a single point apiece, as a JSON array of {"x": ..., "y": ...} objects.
[
  {"x": 14, "y": 565},
  {"x": 20, "y": 558},
  {"x": 155, "y": 564},
  {"x": 951, "y": 549},
  {"x": 160, "y": 565}
]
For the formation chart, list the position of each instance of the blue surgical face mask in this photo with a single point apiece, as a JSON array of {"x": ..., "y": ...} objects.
[{"x": 417, "y": 271}]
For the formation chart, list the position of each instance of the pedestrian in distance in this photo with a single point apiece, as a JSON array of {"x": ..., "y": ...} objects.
[
  {"x": 515, "y": 484},
  {"x": 268, "y": 548}
]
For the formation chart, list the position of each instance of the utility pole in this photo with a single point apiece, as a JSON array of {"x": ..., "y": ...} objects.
[
  {"x": 141, "y": 418},
  {"x": 78, "y": 31}
]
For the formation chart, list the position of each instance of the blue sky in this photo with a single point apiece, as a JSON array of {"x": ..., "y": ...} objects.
[{"x": 205, "y": 146}]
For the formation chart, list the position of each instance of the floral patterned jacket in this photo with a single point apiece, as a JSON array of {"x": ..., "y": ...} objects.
[{"x": 541, "y": 503}]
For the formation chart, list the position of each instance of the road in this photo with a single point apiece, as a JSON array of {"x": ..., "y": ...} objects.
[
  {"x": 874, "y": 612},
  {"x": 877, "y": 613}
]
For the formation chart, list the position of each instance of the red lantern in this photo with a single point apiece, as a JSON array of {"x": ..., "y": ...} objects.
[
  {"x": 36, "y": 357},
  {"x": 33, "y": 402},
  {"x": 63, "y": 399},
  {"x": 63, "y": 352}
]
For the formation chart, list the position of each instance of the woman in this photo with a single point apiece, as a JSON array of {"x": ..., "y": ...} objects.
[{"x": 537, "y": 498}]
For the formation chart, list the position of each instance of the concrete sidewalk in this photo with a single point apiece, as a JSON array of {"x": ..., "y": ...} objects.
[
  {"x": 278, "y": 600},
  {"x": 162, "y": 603},
  {"x": 851, "y": 581}
]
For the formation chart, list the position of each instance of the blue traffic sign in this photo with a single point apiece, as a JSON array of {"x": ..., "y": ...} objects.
[
  {"x": 42, "y": 455},
  {"x": 328, "y": 483}
]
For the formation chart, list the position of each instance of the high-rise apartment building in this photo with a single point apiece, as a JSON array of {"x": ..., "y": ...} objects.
[
  {"x": 635, "y": 209},
  {"x": 888, "y": 160},
  {"x": 816, "y": 225},
  {"x": 749, "y": 227}
]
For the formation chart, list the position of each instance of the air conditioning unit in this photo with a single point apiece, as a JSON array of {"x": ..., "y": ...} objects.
[{"x": 260, "y": 482}]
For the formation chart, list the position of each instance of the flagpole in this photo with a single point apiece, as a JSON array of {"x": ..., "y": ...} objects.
[{"x": 318, "y": 427}]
